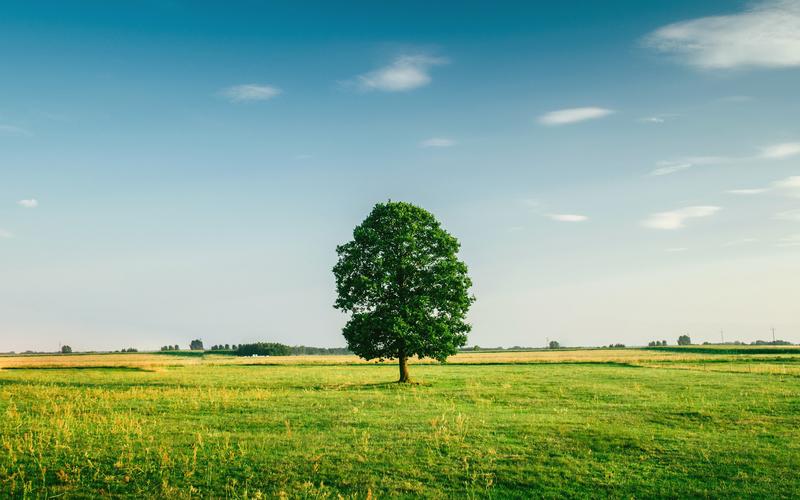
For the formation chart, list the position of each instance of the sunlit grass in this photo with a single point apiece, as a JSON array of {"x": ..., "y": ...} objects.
[{"x": 630, "y": 423}]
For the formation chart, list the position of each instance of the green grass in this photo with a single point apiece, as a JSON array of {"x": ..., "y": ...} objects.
[{"x": 523, "y": 430}]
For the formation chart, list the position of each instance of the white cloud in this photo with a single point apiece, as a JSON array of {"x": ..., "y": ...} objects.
[
  {"x": 405, "y": 73},
  {"x": 790, "y": 215},
  {"x": 568, "y": 217},
  {"x": 653, "y": 119},
  {"x": 669, "y": 167},
  {"x": 5, "y": 234},
  {"x": 676, "y": 219},
  {"x": 29, "y": 203},
  {"x": 789, "y": 186},
  {"x": 742, "y": 241},
  {"x": 250, "y": 92},
  {"x": 14, "y": 131},
  {"x": 748, "y": 191},
  {"x": 772, "y": 152},
  {"x": 780, "y": 151},
  {"x": 437, "y": 142},
  {"x": 790, "y": 241},
  {"x": 573, "y": 115},
  {"x": 765, "y": 36}
]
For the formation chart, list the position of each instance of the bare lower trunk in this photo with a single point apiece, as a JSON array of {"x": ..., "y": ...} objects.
[{"x": 404, "y": 369}]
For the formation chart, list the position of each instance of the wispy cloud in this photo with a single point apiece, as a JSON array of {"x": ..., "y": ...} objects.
[
  {"x": 250, "y": 92},
  {"x": 568, "y": 217},
  {"x": 437, "y": 142},
  {"x": 28, "y": 203},
  {"x": 739, "y": 242},
  {"x": 669, "y": 167},
  {"x": 790, "y": 241},
  {"x": 5, "y": 234},
  {"x": 14, "y": 131},
  {"x": 573, "y": 115},
  {"x": 789, "y": 186},
  {"x": 676, "y": 219},
  {"x": 790, "y": 215},
  {"x": 406, "y": 72},
  {"x": 747, "y": 191},
  {"x": 780, "y": 151},
  {"x": 772, "y": 152},
  {"x": 765, "y": 36}
]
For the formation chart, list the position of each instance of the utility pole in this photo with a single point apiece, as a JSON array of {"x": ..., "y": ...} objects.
[
  {"x": 722, "y": 336},
  {"x": 773, "y": 334}
]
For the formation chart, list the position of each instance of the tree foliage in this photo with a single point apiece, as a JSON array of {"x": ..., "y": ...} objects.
[
  {"x": 406, "y": 289},
  {"x": 684, "y": 340}
]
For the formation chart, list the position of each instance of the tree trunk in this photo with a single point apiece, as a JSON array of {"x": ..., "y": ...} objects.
[{"x": 404, "y": 369}]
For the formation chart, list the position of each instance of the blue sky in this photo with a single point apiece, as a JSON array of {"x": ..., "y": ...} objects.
[{"x": 616, "y": 171}]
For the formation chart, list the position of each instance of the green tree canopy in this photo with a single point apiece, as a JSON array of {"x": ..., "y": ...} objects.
[{"x": 404, "y": 285}]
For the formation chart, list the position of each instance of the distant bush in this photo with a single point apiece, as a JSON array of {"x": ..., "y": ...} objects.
[
  {"x": 196, "y": 345},
  {"x": 278, "y": 349},
  {"x": 65, "y": 349},
  {"x": 263, "y": 349},
  {"x": 554, "y": 345},
  {"x": 684, "y": 340}
]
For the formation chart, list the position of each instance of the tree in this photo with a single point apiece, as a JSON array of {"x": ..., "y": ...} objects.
[
  {"x": 684, "y": 340},
  {"x": 404, "y": 286},
  {"x": 553, "y": 345},
  {"x": 65, "y": 349},
  {"x": 196, "y": 345}
]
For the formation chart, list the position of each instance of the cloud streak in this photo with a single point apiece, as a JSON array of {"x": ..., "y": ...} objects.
[
  {"x": 676, "y": 219},
  {"x": 568, "y": 217},
  {"x": 405, "y": 73},
  {"x": 772, "y": 152},
  {"x": 573, "y": 115},
  {"x": 765, "y": 36},
  {"x": 250, "y": 92},
  {"x": 789, "y": 186},
  {"x": 28, "y": 203},
  {"x": 437, "y": 142}
]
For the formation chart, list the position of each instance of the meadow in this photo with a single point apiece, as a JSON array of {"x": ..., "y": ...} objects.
[{"x": 574, "y": 423}]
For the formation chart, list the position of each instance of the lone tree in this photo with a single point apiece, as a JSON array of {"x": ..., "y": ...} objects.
[
  {"x": 404, "y": 285},
  {"x": 195, "y": 345},
  {"x": 684, "y": 340}
]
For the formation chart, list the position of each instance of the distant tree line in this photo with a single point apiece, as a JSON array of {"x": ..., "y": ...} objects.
[
  {"x": 278, "y": 349},
  {"x": 657, "y": 343},
  {"x": 175, "y": 347}
]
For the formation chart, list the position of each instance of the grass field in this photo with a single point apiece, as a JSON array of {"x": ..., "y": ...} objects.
[{"x": 580, "y": 423}]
